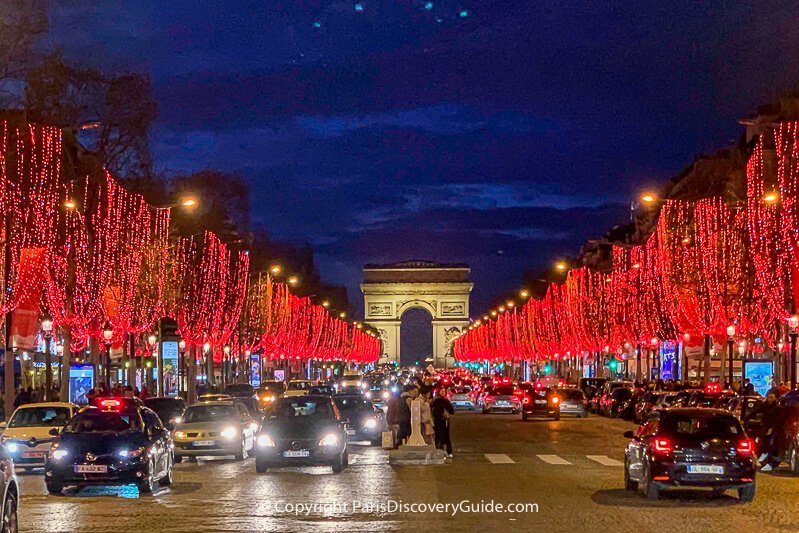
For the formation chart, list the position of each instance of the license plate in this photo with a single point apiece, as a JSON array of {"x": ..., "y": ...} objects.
[
  {"x": 204, "y": 442},
  {"x": 540, "y": 402},
  {"x": 91, "y": 469},
  {"x": 33, "y": 455},
  {"x": 296, "y": 453},
  {"x": 350, "y": 432},
  {"x": 502, "y": 402},
  {"x": 705, "y": 469}
]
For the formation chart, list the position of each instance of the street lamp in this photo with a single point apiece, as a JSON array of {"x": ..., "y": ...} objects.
[
  {"x": 275, "y": 269},
  {"x": 108, "y": 333},
  {"x": 771, "y": 197},
  {"x": 47, "y": 330},
  {"x": 293, "y": 281},
  {"x": 524, "y": 293},
  {"x": 648, "y": 198},
  {"x": 793, "y": 324},
  {"x": 730, "y": 346},
  {"x": 325, "y": 304},
  {"x": 561, "y": 266},
  {"x": 183, "y": 370},
  {"x": 226, "y": 364}
]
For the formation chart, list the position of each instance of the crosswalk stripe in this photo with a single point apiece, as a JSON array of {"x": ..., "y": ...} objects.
[
  {"x": 605, "y": 460},
  {"x": 499, "y": 458},
  {"x": 553, "y": 459}
]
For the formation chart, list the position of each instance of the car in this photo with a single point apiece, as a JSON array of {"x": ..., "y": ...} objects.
[
  {"x": 741, "y": 406},
  {"x": 218, "y": 428},
  {"x": 682, "y": 397},
  {"x": 664, "y": 401},
  {"x": 27, "y": 436},
  {"x": 590, "y": 384},
  {"x": 10, "y": 491},
  {"x": 240, "y": 390},
  {"x": 351, "y": 378},
  {"x": 644, "y": 405},
  {"x": 501, "y": 399},
  {"x": 364, "y": 420},
  {"x": 611, "y": 404},
  {"x": 381, "y": 395},
  {"x": 298, "y": 387},
  {"x": 327, "y": 390},
  {"x": 168, "y": 408},
  {"x": 690, "y": 447},
  {"x": 252, "y": 405},
  {"x": 540, "y": 401},
  {"x": 302, "y": 431},
  {"x": 215, "y": 397},
  {"x": 462, "y": 398},
  {"x": 269, "y": 391},
  {"x": 573, "y": 402},
  {"x": 704, "y": 398},
  {"x": 115, "y": 441}
]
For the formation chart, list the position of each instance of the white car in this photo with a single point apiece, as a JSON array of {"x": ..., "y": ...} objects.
[
  {"x": 27, "y": 436},
  {"x": 298, "y": 387}
]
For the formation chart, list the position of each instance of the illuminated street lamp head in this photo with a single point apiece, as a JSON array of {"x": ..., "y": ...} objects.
[
  {"x": 730, "y": 330},
  {"x": 325, "y": 304},
  {"x": 510, "y": 303},
  {"x": 561, "y": 266},
  {"x": 524, "y": 293},
  {"x": 293, "y": 281},
  {"x": 493, "y": 312},
  {"x": 686, "y": 240},
  {"x": 636, "y": 265},
  {"x": 108, "y": 332},
  {"x": 501, "y": 308},
  {"x": 47, "y": 324},
  {"x": 152, "y": 338},
  {"x": 226, "y": 349},
  {"x": 648, "y": 198},
  {"x": 342, "y": 314},
  {"x": 275, "y": 269},
  {"x": 70, "y": 204},
  {"x": 207, "y": 347},
  {"x": 182, "y": 345},
  {"x": 793, "y": 322},
  {"x": 188, "y": 202},
  {"x": 771, "y": 197},
  {"x": 485, "y": 318}
]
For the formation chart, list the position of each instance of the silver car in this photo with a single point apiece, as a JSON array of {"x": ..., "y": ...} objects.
[
  {"x": 502, "y": 399},
  {"x": 462, "y": 398},
  {"x": 573, "y": 402},
  {"x": 9, "y": 489}
]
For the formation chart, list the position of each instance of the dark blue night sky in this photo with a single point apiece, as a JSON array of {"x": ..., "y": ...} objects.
[{"x": 497, "y": 133}]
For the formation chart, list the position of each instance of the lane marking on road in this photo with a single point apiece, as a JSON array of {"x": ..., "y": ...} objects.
[
  {"x": 605, "y": 460},
  {"x": 553, "y": 459},
  {"x": 499, "y": 458}
]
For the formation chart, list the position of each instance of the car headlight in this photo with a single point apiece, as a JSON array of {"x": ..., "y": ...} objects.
[
  {"x": 180, "y": 434},
  {"x": 229, "y": 433},
  {"x": 367, "y": 394},
  {"x": 125, "y": 454},
  {"x": 178, "y": 419},
  {"x": 265, "y": 441},
  {"x": 59, "y": 454},
  {"x": 370, "y": 424},
  {"x": 12, "y": 447},
  {"x": 386, "y": 395},
  {"x": 331, "y": 439}
]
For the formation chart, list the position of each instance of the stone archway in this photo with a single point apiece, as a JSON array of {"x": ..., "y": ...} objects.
[{"x": 442, "y": 290}]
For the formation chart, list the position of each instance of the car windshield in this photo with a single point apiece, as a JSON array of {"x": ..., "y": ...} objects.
[
  {"x": 164, "y": 408},
  {"x": 701, "y": 426},
  {"x": 571, "y": 394},
  {"x": 461, "y": 390},
  {"x": 303, "y": 408},
  {"x": 347, "y": 403},
  {"x": 621, "y": 394},
  {"x": 39, "y": 416},
  {"x": 95, "y": 421},
  {"x": 239, "y": 388},
  {"x": 209, "y": 413},
  {"x": 503, "y": 391},
  {"x": 322, "y": 389},
  {"x": 299, "y": 385}
]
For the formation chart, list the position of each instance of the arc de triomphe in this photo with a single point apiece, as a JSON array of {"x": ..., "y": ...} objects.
[{"x": 443, "y": 290}]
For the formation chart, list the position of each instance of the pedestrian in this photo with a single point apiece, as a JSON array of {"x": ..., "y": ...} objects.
[
  {"x": 783, "y": 388},
  {"x": 23, "y": 397},
  {"x": 442, "y": 412},
  {"x": 90, "y": 396},
  {"x": 144, "y": 393},
  {"x": 404, "y": 413},
  {"x": 426, "y": 415},
  {"x": 770, "y": 427}
]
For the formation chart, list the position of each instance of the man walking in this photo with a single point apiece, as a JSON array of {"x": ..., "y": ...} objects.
[{"x": 442, "y": 411}]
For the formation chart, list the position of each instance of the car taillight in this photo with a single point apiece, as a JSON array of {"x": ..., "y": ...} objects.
[
  {"x": 662, "y": 446},
  {"x": 526, "y": 400},
  {"x": 554, "y": 400},
  {"x": 489, "y": 398},
  {"x": 745, "y": 447},
  {"x": 518, "y": 392}
]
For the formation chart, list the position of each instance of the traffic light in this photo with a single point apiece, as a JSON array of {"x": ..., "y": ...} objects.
[
  {"x": 613, "y": 365},
  {"x": 547, "y": 369}
]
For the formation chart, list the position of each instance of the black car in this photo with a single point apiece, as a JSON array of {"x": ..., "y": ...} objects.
[
  {"x": 168, "y": 408},
  {"x": 302, "y": 430},
  {"x": 364, "y": 420},
  {"x": 612, "y": 404},
  {"x": 690, "y": 447},
  {"x": 540, "y": 401},
  {"x": 240, "y": 390},
  {"x": 116, "y": 442},
  {"x": 327, "y": 390}
]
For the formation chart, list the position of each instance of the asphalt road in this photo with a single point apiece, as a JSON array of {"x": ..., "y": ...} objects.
[{"x": 569, "y": 473}]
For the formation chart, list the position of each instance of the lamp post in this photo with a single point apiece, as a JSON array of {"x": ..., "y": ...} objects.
[
  {"x": 226, "y": 365},
  {"x": 730, "y": 347},
  {"x": 152, "y": 343},
  {"x": 793, "y": 324},
  {"x": 182, "y": 368},
  {"x": 108, "y": 333},
  {"x": 782, "y": 366},
  {"x": 47, "y": 330},
  {"x": 208, "y": 363}
]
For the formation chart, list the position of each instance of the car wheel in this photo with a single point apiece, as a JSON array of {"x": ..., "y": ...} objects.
[
  {"x": 346, "y": 459},
  {"x": 651, "y": 489},
  {"x": 629, "y": 484},
  {"x": 338, "y": 465},
  {"x": 747, "y": 493},
  {"x": 178, "y": 459},
  {"x": 54, "y": 487},
  {"x": 793, "y": 459},
  {"x": 10, "y": 524},
  {"x": 167, "y": 479},
  {"x": 146, "y": 485},
  {"x": 241, "y": 453},
  {"x": 260, "y": 466}
]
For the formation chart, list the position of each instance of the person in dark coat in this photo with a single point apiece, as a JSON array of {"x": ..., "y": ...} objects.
[
  {"x": 770, "y": 431},
  {"x": 442, "y": 411}
]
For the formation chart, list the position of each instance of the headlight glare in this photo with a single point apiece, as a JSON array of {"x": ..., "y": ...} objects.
[
  {"x": 331, "y": 439},
  {"x": 229, "y": 433},
  {"x": 265, "y": 441},
  {"x": 59, "y": 454},
  {"x": 370, "y": 424},
  {"x": 12, "y": 447},
  {"x": 180, "y": 435}
]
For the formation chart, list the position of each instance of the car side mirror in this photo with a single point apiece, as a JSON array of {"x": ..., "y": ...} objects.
[
  {"x": 3, "y": 425},
  {"x": 629, "y": 435},
  {"x": 54, "y": 432}
]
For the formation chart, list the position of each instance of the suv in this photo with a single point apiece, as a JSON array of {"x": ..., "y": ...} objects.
[{"x": 540, "y": 401}]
